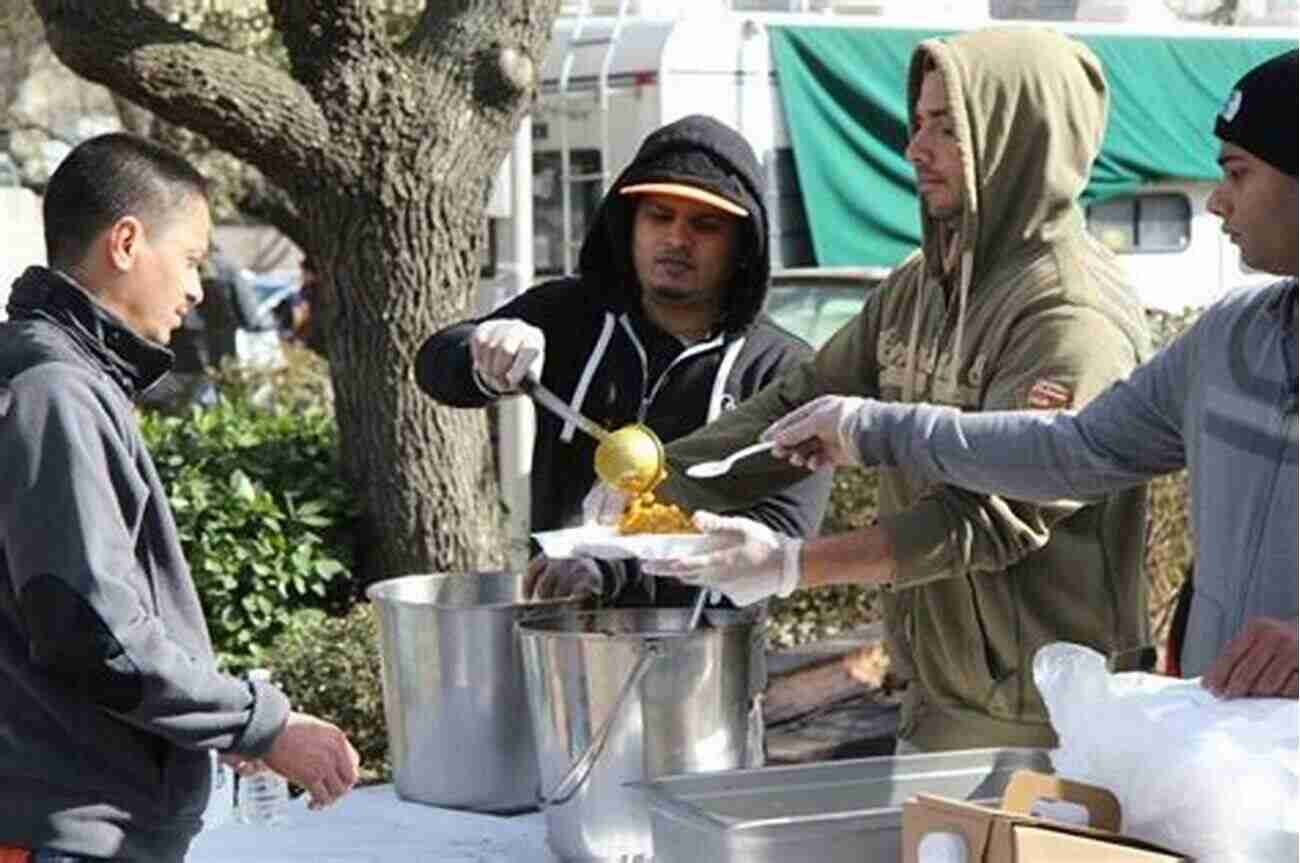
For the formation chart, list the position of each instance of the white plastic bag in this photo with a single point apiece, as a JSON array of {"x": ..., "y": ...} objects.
[{"x": 1218, "y": 780}]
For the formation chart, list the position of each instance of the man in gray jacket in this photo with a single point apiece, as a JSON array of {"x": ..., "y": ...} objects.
[
  {"x": 113, "y": 699},
  {"x": 1220, "y": 401}
]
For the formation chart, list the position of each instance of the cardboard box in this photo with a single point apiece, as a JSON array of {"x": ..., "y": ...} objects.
[{"x": 1011, "y": 834}]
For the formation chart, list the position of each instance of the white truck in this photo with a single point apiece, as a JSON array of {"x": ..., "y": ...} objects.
[{"x": 608, "y": 80}]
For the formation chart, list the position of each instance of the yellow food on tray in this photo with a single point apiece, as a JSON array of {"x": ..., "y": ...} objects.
[{"x": 645, "y": 515}]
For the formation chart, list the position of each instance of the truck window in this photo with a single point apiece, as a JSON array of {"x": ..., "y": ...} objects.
[
  {"x": 1034, "y": 10},
  {"x": 1145, "y": 223},
  {"x": 813, "y": 303},
  {"x": 548, "y": 206},
  {"x": 813, "y": 313}
]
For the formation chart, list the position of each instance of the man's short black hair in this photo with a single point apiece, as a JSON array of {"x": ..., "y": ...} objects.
[{"x": 106, "y": 178}]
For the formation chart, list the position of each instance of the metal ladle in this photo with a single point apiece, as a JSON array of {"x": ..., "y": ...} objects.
[{"x": 630, "y": 458}]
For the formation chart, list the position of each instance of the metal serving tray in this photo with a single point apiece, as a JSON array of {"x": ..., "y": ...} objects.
[{"x": 830, "y": 812}]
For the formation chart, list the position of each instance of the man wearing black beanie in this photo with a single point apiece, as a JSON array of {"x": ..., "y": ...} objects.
[
  {"x": 1257, "y": 198},
  {"x": 1219, "y": 401}
]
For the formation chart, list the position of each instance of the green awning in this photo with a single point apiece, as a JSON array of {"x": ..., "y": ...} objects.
[{"x": 843, "y": 91}]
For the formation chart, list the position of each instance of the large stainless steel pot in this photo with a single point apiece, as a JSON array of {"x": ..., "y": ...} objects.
[
  {"x": 459, "y": 733},
  {"x": 627, "y": 695}
]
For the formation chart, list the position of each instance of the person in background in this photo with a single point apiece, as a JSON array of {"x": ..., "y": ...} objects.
[
  {"x": 1009, "y": 303},
  {"x": 663, "y": 325},
  {"x": 229, "y": 304},
  {"x": 113, "y": 696},
  {"x": 300, "y": 314},
  {"x": 1219, "y": 401},
  {"x": 207, "y": 337}
]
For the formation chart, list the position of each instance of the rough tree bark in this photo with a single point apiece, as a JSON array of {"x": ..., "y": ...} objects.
[
  {"x": 386, "y": 149},
  {"x": 20, "y": 39}
]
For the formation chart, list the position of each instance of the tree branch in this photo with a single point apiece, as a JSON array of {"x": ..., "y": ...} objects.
[
  {"x": 267, "y": 202},
  {"x": 257, "y": 112},
  {"x": 502, "y": 44},
  {"x": 322, "y": 34},
  {"x": 11, "y": 122}
]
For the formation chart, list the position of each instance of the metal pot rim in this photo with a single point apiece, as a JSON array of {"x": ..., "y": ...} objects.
[
  {"x": 384, "y": 592},
  {"x": 542, "y": 625}
]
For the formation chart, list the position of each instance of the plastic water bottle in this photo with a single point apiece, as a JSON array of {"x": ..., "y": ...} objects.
[
  {"x": 221, "y": 802},
  {"x": 263, "y": 796}
]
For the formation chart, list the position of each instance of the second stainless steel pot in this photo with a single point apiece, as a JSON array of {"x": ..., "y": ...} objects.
[{"x": 454, "y": 700}]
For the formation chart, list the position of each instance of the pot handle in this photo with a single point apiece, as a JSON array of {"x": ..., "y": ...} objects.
[{"x": 581, "y": 769}]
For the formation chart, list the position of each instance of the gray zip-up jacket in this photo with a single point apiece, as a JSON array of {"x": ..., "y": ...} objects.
[
  {"x": 112, "y": 698},
  {"x": 1221, "y": 401}
]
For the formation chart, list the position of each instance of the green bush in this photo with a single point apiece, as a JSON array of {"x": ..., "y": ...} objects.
[
  {"x": 329, "y": 667},
  {"x": 264, "y": 520},
  {"x": 302, "y": 383},
  {"x": 824, "y": 612}
]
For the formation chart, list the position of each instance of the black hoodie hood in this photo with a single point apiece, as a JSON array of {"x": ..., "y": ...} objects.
[{"x": 698, "y": 151}]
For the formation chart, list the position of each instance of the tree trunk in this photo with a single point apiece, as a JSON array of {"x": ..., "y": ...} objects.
[
  {"x": 440, "y": 509},
  {"x": 386, "y": 150}
]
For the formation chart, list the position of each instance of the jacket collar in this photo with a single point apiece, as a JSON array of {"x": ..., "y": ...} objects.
[{"x": 41, "y": 294}]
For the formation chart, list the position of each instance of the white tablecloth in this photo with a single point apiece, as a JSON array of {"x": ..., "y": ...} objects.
[{"x": 374, "y": 825}]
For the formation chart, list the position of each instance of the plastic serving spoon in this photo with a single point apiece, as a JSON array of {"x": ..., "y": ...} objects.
[{"x": 710, "y": 469}]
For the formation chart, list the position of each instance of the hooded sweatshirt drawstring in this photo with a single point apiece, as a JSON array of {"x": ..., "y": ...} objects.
[
  {"x": 963, "y": 291},
  {"x": 588, "y": 372}
]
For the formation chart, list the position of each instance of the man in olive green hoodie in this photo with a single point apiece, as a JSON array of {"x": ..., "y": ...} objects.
[{"x": 1008, "y": 304}]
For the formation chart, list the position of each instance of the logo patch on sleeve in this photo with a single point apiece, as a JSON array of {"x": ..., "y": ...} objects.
[{"x": 1049, "y": 395}]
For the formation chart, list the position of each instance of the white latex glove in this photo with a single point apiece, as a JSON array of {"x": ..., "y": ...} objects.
[
  {"x": 570, "y": 576},
  {"x": 604, "y": 504},
  {"x": 830, "y": 421},
  {"x": 505, "y": 350},
  {"x": 764, "y": 563}
]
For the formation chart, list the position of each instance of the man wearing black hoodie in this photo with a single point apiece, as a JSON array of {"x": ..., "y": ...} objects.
[{"x": 662, "y": 325}]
